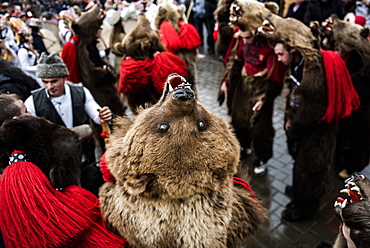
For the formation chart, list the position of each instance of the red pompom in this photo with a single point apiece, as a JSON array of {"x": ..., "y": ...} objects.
[
  {"x": 104, "y": 135},
  {"x": 169, "y": 37},
  {"x": 134, "y": 76},
  {"x": 189, "y": 36},
  {"x": 166, "y": 63}
]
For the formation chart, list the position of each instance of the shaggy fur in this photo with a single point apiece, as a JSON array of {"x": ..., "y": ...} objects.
[
  {"x": 56, "y": 150},
  {"x": 315, "y": 141},
  {"x": 356, "y": 216},
  {"x": 353, "y": 146},
  {"x": 141, "y": 43},
  {"x": 222, "y": 15},
  {"x": 98, "y": 80},
  {"x": 173, "y": 14},
  {"x": 174, "y": 187}
]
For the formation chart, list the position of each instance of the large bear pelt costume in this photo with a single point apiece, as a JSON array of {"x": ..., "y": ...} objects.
[
  {"x": 146, "y": 65},
  {"x": 101, "y": 82},
  {"x": 354, "y": 131},
  {"x": 353, "y": 212},
  {"x": 225, "y": 30},
  {"x": 187, "y": 48},
  {"x": 54, "y": 149},
  {"x": 174, "y": 178}
]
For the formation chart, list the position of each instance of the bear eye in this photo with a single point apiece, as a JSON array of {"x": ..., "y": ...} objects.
[
  {"x": 201, "y": 125},
  {"x": 163, "y": 127}
]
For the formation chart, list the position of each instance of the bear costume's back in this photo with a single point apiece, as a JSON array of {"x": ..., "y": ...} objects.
[{"x": 174, "y": 165}]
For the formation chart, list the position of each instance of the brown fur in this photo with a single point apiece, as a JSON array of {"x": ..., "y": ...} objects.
[
  {"x": 173, "y": 14},
  {"x": 174, "y": 188},
  {"x": 98, "y": 80},
  {"x": 353, "y": 146},
  {"x": 141, "y": 43},
  {"x": 315, "y": 141}
]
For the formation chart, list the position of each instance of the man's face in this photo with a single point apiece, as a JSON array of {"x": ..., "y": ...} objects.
[
  {"x": 247, "y": 37},
  {"x": 22, "y": 107},
  {"x": 282, "y": 54},
  {"x": 54, "y": 86}
]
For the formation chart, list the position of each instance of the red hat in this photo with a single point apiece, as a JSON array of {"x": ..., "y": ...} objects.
[{"x": 360, "y": 20}]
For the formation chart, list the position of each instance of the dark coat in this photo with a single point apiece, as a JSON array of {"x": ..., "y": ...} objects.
[
  {"x": 300, "y": 12},
  {"x": 317, "y": 10}
]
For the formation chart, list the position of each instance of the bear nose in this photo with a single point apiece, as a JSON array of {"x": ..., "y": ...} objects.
[{"x": 183, "y": 94}]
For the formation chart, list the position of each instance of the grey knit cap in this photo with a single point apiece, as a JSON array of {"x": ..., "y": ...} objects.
[{"x": 51, "y": 66}]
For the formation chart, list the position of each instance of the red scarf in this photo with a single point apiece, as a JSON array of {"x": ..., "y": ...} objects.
[
  {"x": 69, "y": 56},
  {"x": 342, "y": 96}
]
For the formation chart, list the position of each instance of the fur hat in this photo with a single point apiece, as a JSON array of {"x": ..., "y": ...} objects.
[{"x": 51, "y": 66}]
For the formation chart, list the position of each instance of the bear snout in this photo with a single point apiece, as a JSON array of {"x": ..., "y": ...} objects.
[{"x": 183, "y": 94}]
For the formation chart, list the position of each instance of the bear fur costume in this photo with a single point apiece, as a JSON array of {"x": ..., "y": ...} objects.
[
  {"x": 225, "y": 31},
  {"x": 56, "y": 150},
  {"x": 174, "y": 177},
  {"x": 313, "y": 161},
  {"x": 52, "y": 202},
  {"x": 143, "y": 53},
  {"x": 353, "y": 142},
  {"x": 353, "y": 211},
  {"x": 100, "y": 81},
  {"x": 168, "y": 11}
]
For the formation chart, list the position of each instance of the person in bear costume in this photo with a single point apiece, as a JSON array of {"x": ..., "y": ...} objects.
[
  {"x": 169, "y": 174},
  {"x": 353, "y": 142},
  {"x": 96, "y": 75},
  {"x": 41, "y": 202},
  {"x": 178, "y": 36},
  {"x": 146, "y": 65},
  {"x": 321, "y": 93}
]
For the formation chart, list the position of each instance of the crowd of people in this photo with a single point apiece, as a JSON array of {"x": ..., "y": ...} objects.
[{"x": 42, "y": 73}]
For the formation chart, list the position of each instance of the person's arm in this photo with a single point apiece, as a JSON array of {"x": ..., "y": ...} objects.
[
  {"x": 30, "y": 105},
  {"x": 94, "y": 110},
  {"x": 23, "y": 60}
]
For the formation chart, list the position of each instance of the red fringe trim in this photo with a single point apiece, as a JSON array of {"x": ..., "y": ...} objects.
[
  {"x": 189, "y": 36},
  {"x": 134, "y": 75},
  {"x": 342, "y": 96},
  {"x": 169, "y": 37},
  {"x": 34, "y": 214},
  {"x": 107, "y": 176}
]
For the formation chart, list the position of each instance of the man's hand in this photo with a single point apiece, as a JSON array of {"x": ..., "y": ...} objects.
[
  {"x": 105, "y": 114},
  {"x": 257, "y": 106},
  {"x": 224, "y": 88},
  {"x": 287, "y": 125}
]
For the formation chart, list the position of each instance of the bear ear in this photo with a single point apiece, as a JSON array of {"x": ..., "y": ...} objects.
[
  {"x": 315, "y": 28},
  {"x": 136, "y": 185},
  {"x": 162, "y": 11},
  {"x": 272, "y": 6},
  {"x": 365, "y": 33}
]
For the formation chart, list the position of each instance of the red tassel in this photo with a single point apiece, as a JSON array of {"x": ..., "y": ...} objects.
[
  {"x": 189, "y": 36},
  {"x": 107, "y": 176},
  {"x": 166, "y": 63},
  {"x": 169, "y": 37},
  {"x": 69, "y": 56},
  {"x": 342, "y": 96},
  {"x": 34, "y": 214},
  {"x": 134, "y": 76}
]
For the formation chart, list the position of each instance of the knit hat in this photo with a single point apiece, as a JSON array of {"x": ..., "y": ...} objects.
[{"x": 51, "y": 66}]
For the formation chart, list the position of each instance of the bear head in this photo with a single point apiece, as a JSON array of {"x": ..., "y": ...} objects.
[
  {"x": 174, "y": 149},
  {"x": 87, "y": 26},
  {"x": 168, "y": 11},
  {"x": 54, "y": 149},
  {"x": 141, "y": 42}
]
